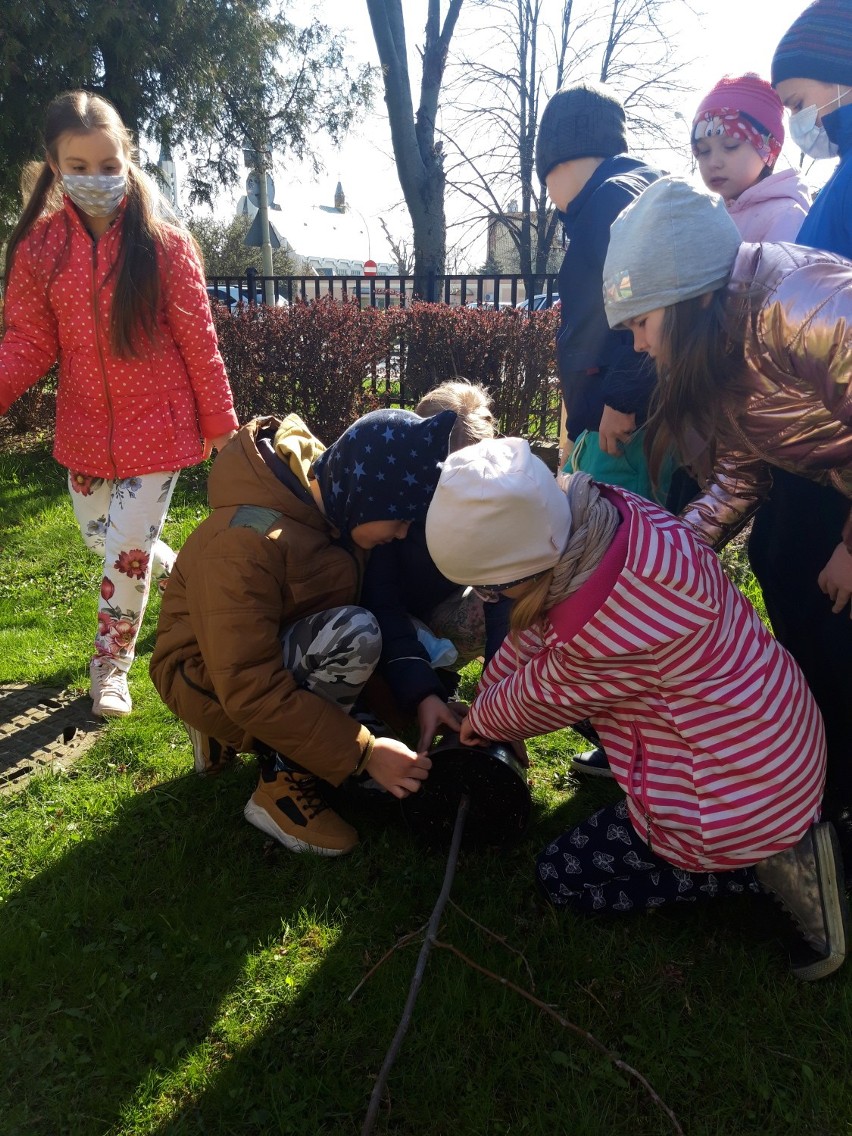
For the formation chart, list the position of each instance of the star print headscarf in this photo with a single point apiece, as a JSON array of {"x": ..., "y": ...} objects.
[{"x": 385, "y": 467}]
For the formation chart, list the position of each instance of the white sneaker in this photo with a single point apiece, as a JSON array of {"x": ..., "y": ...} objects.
[{"x": 110, "y": 696}]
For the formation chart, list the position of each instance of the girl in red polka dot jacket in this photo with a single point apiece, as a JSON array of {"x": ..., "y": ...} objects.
[{"x": 96, "y": 280}]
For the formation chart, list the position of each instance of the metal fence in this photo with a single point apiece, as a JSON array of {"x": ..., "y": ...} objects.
[{"x": 508, "y": 290}]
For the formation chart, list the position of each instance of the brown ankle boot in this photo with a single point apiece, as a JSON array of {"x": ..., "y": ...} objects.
[{"x": 288, "y": 806}]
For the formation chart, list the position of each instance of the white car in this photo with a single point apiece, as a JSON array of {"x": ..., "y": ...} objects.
[{"x": 231, "y": 295}]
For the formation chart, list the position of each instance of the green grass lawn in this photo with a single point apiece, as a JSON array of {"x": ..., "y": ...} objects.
[{"x": 165, "y": 970}]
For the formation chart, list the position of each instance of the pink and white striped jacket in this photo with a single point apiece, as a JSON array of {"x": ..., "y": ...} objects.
[{"x": 709, "y": 726}]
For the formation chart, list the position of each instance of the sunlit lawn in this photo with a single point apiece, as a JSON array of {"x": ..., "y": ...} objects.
[{"x": 164, "y": 970}]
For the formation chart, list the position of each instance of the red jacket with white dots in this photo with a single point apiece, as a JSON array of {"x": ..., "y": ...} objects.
[{"x": 115, "y": 417}]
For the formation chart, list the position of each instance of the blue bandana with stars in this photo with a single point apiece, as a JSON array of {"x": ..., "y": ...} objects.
[{"x": 385, "y": 467}]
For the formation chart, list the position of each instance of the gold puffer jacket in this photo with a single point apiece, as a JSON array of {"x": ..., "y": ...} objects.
[{"x": 798, "y": 412}]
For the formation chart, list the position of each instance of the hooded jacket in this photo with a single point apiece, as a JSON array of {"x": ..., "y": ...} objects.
[
  {"x": 115, "y": 417},
  {"x": 708, "y": 724},
  {"x": 797, "y": 411},
  {"x": 266, "y": 556},
  {"x": 598, "y": 366},
  {"x": 772, "y": 209},
  {"x": 828, "y": 225}
]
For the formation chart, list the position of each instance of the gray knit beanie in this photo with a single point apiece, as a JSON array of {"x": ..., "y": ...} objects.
[
  {"x": 672, "y": 243},
  {"x": 584, "y": 120}
]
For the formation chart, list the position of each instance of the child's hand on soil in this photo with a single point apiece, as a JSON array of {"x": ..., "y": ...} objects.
[
  {"x": 468, "y": 737},
  {"x": 397, "y": 768},
  {"x": 432, "y": 714}
]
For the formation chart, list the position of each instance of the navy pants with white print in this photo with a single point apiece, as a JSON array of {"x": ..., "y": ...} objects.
[{"x": 603, "y": 866}]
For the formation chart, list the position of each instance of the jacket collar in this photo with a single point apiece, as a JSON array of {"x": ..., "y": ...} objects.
[
  {"x": 838, "y": 127},
  {"x": 73, "y": 215},
  {"x": 609, "y": 168}
]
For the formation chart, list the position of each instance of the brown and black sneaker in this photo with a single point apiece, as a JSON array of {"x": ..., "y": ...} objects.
[
  {"x": 209, "y": 755},
  {"x": 288, "y": 806}
]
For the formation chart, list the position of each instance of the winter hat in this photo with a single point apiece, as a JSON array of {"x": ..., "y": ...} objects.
[
  {"x": 584, "y": 120},
  {"x": 497, "y": 516},
  {"x": 817, "y": 45},
  {"x": 746, "y": 108},
  {"x": 671, "y": 243},
  {"x": 383, "y": 468}
]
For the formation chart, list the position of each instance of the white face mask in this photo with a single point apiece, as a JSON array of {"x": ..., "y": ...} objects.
[
  {"x": 96, "y": 194},
  {"x": 808, "y": 136}
]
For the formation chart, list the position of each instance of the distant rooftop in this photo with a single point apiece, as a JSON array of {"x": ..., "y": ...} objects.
[{"x": 333, "y": 238}]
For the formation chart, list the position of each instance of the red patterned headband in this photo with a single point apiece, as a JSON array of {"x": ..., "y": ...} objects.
[{"x": 735, "y": 124}]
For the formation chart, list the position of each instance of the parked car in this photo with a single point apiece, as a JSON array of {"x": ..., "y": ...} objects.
[
  {"x": 540, "y": 300},
  {"x": 231, "y": 295}
]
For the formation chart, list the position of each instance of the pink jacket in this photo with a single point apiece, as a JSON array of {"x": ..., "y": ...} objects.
[
  {"x": 115, "y": 417},
  {"x": 772, "y": 210},
  {"x": 708, "y": 724}
]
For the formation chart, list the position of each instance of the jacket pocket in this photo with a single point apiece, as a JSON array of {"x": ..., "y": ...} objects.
[{"x": 638, "y": 788}]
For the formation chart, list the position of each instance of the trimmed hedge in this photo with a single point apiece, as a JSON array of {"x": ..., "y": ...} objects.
[{"x": 331, "y": 361}]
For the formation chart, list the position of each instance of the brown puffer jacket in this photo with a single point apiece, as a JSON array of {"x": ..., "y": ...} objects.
[
  {"x": 263, "y": 559},
  {"x": 798, "y": 413}
]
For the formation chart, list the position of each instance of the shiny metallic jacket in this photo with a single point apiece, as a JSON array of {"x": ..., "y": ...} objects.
[{"x": 798, "y": 413}]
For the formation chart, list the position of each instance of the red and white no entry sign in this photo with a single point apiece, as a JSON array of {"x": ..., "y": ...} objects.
[{"x": 370, "y": 268}]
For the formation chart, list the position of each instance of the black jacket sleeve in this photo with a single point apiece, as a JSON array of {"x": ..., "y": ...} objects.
[
  {"x": 628, "y": 383},
  {"x": 404, "y": 662}
]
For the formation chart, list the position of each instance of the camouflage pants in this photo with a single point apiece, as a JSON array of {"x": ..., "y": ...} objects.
[{"x": 333, "y": 653}]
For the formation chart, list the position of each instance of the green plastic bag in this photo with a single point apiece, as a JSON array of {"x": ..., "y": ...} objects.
[{"x": 629, "y": 469}]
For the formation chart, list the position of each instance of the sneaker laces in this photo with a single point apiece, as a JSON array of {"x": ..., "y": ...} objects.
[
  {"x": 306, "y": 790},
  {"x": 113, "y": 681},
  {"x": 805, "y": 932}
]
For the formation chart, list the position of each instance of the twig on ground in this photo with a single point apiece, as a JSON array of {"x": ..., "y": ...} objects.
[
  {"x": 501, "y": 939},
  {"x": 578, "y": 1030},
  {"x": 594, "y": 998},
  {"x": 419, "y": 970},
  {"x": 399, "y": 943}
]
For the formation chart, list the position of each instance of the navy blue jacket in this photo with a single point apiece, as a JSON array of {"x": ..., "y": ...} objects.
[
  {"x": 400, "y": 581},
  {"x": 598, "y": 366},
  {"x": 828, "y": 225}
]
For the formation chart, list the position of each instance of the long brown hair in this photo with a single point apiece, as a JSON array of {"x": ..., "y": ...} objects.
[
  {"x": 700, "y": 377},
  {"x": 136, "y": 299}
]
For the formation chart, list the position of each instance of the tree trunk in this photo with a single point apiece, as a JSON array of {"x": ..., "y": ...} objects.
[{"x": 419, "y": 159}]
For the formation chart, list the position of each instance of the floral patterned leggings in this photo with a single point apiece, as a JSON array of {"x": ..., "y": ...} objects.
[
  {"x": 603, "y": 866},
  {"x": 122, "y": 521}
]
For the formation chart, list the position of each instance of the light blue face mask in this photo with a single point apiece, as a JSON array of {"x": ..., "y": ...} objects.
[
  {"x": 810, "y": 137},
  {"x": 98, "y": 195}
]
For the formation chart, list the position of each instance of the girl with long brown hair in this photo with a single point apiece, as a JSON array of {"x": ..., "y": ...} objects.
[
  {"x": 754, "y": 356},
  {"x": 96, "y": 281}
]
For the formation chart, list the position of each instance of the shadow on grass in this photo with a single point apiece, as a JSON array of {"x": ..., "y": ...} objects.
[
  {"x": 29, "y": 483},
  {"x": 118, "y": 961},
  {"x": 174, "y": 975}
]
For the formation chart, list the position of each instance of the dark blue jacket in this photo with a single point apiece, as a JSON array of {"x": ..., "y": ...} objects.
[
  {"x": 619, "y": 377},
  {"x": 828, "y": 225},
  {"x": 400, "y": 581}
]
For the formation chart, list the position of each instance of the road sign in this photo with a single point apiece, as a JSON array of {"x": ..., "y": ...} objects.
[
  {"x": 370, "y": 268},
  {"x": 254, "y": 237},
  {"x": 253, "y": 190}
]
